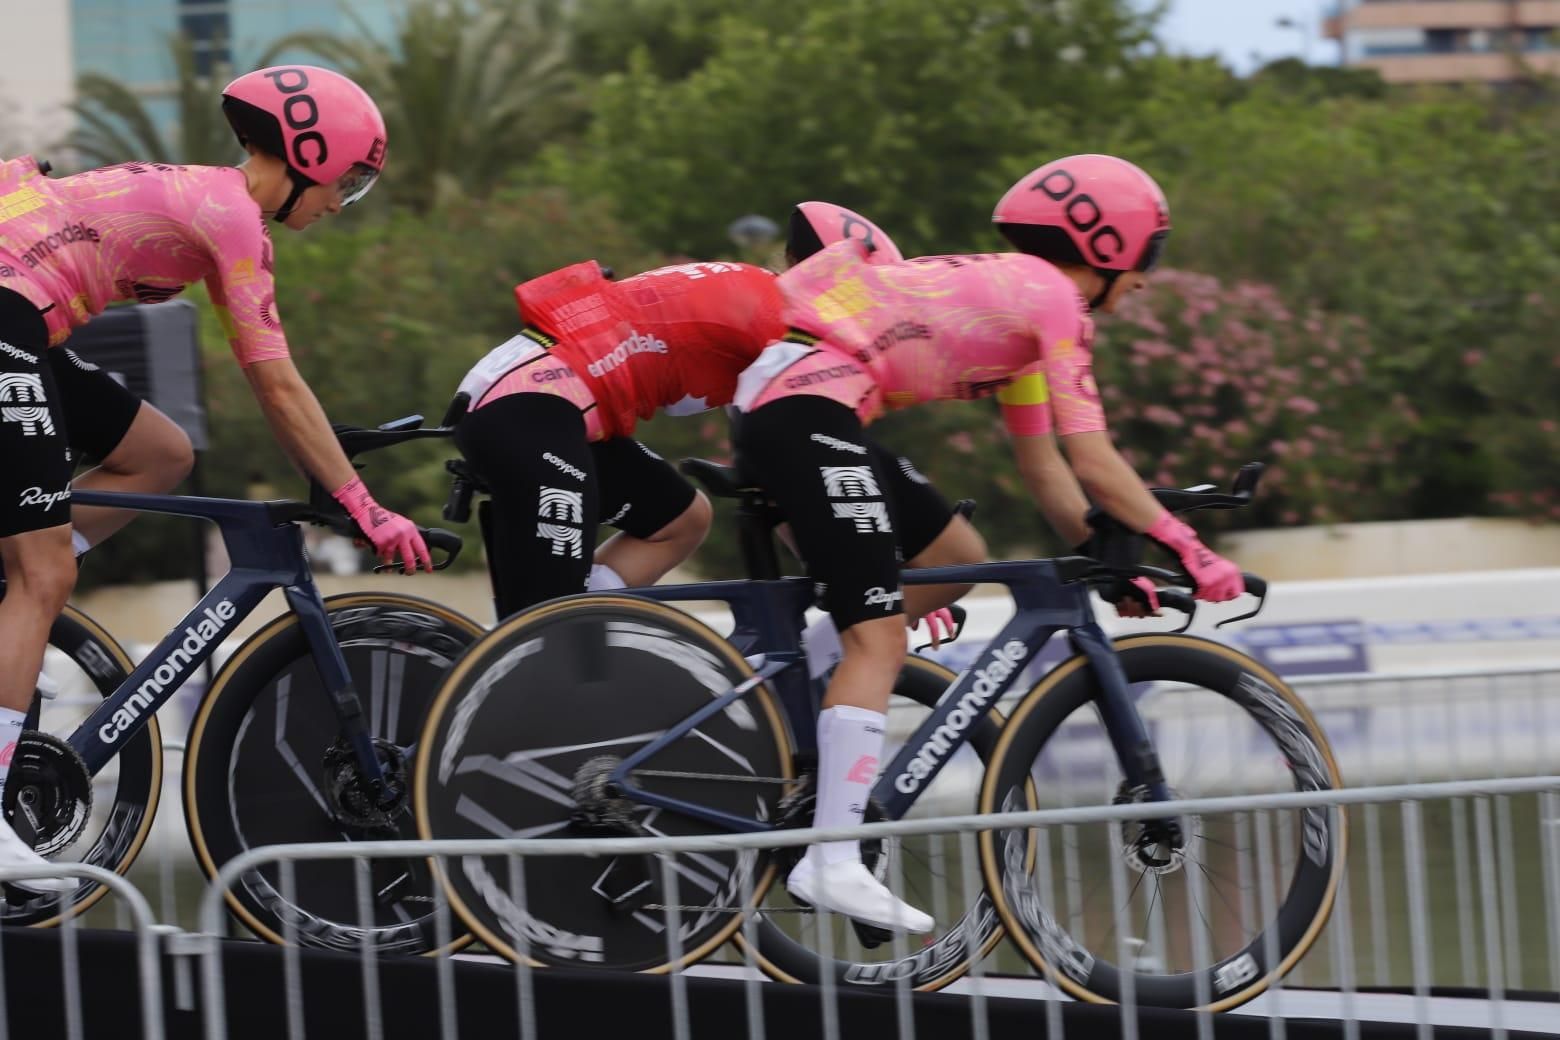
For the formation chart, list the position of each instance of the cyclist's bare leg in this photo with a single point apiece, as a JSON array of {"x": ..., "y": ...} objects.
[
  {"x": 645, "y": 561},
  {"x": 958, "y": 544},
  {"x": 40, "y": 571},
  {"x": 874, "y": 652},
  {"x": 153, "y": 457}
]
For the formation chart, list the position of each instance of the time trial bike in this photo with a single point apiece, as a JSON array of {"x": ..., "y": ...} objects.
[{"x": 619, "y": 714}]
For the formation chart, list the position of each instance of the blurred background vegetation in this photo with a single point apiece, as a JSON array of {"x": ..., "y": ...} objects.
[{"x": 1364, "y": 283}]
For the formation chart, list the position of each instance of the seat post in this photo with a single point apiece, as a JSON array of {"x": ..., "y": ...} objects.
[{"x": 755, "y": 536}]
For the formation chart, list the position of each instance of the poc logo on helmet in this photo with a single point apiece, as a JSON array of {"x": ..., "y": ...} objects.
[
  {"x": 300, "y": 112},
  {"x": 1083, "y": 213}
]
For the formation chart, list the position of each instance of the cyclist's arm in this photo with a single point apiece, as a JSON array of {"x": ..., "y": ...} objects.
[
  {"x": 1052, "y": 486},
  {"x": 1066, "y": 340},
  {"x": 1109, "y": 481},
  {"x": 1026, "y": 410},
  {"x": 298, "y": 422}
]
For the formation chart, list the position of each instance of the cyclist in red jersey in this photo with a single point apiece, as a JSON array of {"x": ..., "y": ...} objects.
[
  {"x": 869, "y": 339},
  {"x": 553, "y": 412},
  {"x": 143, "y": 231}
]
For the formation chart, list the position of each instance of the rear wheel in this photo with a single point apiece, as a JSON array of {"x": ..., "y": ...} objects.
[
  {"x": 521, "y": 742},
  {"x": 263, "y": 768},
  {"x": 1208, "y": 916},
  {"x": 68, "y": 816}
]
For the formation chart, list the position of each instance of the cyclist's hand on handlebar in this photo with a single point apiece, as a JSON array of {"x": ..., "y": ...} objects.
[
  {"x": 392, "y": 535},
  {"x": 940, "y": 625},
  {"x": 1143, "y": 602},
  {"x": 1216, "y": 578}
]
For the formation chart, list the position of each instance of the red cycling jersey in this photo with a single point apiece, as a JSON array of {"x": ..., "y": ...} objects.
[{"x": 673, "y": 339}]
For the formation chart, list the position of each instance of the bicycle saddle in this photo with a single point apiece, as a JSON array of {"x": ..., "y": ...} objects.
[{"x": 720, "y": 481}]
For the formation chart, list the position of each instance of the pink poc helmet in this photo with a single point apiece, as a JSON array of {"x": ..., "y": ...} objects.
[
  {"x": 1087, "y": 209},
  {"x": 320, "y": 123},
  {"x": 818, "y": 224}
]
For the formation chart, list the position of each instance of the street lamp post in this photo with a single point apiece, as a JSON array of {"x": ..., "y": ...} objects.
[{"x": 1304, "y": 29}]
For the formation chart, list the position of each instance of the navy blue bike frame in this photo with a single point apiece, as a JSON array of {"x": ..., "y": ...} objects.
[
  {"x": 768, "y": 621},
  {"x": 267, "y": 552}
]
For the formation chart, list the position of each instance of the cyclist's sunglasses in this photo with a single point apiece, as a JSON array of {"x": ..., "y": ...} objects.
[
  {"x": 1153, "y": 251},
  {"x": 354, "y": 184}
]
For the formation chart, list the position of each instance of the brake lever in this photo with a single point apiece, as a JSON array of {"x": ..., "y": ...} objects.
[
  {"x": 1185, "y": 602},
  {"x": 437, "y": 538},
  {"x": 1257, "y": 587},
  {"x": 960, "y": 616}
]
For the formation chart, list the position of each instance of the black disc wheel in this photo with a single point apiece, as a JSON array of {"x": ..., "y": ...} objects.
[
  {"x": 266, "y": 766},
  {"x": 523, "y": 741},
  {"x": 1203, "y": 911}
]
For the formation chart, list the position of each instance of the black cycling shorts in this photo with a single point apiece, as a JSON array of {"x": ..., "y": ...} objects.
[
  {"x": 550, "y": 489},
  {"x": 55, "y": 411},
  {"x": 98, "y": 408},
  {"x": 35, "y": 487},
  {"x": 845, "y": 498},
  {"x": 919, "y": 510}
]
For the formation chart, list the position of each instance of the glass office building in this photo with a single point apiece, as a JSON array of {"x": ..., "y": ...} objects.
[{"x": 128, "y": 40}]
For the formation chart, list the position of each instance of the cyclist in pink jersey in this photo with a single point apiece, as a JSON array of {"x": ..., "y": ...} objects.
[
  {"x": 866, "y": 340},
  {"x": 143, "y": 231}
]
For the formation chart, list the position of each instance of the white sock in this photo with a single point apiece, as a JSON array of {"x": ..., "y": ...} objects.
[
  {"x": 850, "y": 740},
  {"x": 10, "y": 731},
  {"x": 604, "y": 579},
  {"x": 79, "y": 543},
  {"x": 821, "y": 643}
]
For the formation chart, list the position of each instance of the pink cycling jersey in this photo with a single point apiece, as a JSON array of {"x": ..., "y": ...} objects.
[
  {"x": 935, "y": 328},
  {"x": 140, "y": 231}
]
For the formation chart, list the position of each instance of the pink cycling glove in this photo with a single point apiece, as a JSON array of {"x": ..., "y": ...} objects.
[
  {"x": 939, "y": 625},
  {"x": 392, "y": 535},
  {"x": 1126, "y": 606},
  {"x": 1217, "y": 578}
]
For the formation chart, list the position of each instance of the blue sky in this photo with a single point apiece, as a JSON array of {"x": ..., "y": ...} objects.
[{"x": 1237, "y": 29}]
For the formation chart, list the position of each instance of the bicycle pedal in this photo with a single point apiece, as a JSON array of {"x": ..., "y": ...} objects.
[{"x": 870, "y": 936}]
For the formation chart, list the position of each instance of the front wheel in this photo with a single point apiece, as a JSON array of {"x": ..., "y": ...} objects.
[
  {"x": 1205, "y": 916},
  {"x": 263, "y": 768}
]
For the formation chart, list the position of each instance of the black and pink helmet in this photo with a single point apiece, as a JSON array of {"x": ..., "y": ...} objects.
[{"x": 815, "y": 225}]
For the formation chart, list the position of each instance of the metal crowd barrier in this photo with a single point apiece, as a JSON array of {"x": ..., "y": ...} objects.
[
  {"x": 1506, "y": 937},
  {"x": 1449, "y": 884},
  {"x": 72, "y": 992}
]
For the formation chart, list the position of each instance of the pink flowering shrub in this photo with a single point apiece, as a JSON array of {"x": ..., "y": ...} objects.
[{"x": 1199, "y": 376}]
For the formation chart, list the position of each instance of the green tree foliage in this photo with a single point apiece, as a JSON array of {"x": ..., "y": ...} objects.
[
  {"x": 470, "y": 90},
  {"x": 1420, "y": 213},
  {"x": 114, "y": 125},
  {"x": 908, "y": 110}
]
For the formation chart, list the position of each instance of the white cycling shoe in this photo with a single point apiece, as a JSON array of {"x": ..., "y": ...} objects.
[
  {"x": 14, "y": 853},
  {"x": 848, "y": 888}
]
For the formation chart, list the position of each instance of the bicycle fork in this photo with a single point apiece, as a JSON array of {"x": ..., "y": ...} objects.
[
  {"x": 1128, "y": 734},
  {"x": 304, "y": 599}
]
